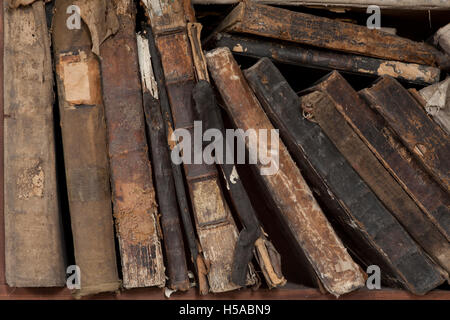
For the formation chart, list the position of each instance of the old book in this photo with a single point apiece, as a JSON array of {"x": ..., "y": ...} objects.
[
  {"x": 164, "y": 182},
  {"x": 177, "y": 171},
  {"x": 368, "y": 227},
  {"x": 33, "y": 229},
  {"x": 215, "y": 226},
  {"x": 344, "y": 4},
  {"x": 85, "y": 154},
  {"x": 261, "y": 20},
  {"x": 252, "y": 238},
  {"x": 422, "y": 136},
  {"x": 328, "y": 60},
  {"x": 372, "y": 129},
  {"x": 437, "y": 103},
  {"x": 377, "y": 178},
  {"x": 133, "y": 195},
  {"x": 292, "y": 195},
  {"x": 442, "y": 38}
]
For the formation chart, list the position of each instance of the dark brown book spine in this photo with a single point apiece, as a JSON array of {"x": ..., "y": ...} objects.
[
  {"x": 252, "y": 234},
  {"x": 423, "y": 137},
  {"x": 33, "y": 228},
  {"x": 272, "y": 22},
  {"x": 164, "y": 182},
  {"x": 328, "y": 60},
  {"x": 365, "y": 225},
  {"x": 292, "y": 195},
  {"x": 177, "y": 171},
  {"x": 372, "y": 129},
  {"x": 386, "y": 188},
  {"x": 85, "y": 154},
  {"x": 133, "y": 194},
  {"x": 216, "y": 229}
]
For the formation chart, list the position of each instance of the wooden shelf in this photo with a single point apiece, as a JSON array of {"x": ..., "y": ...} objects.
[{"x": 291, "y": 292}]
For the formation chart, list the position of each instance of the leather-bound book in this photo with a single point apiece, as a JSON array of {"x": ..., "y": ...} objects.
[
  {"x": 33, "y": 229},
  {"x": 133, "y": 194},
  {"x": 215, "y": 226},
  {"x": 289, "y": 192},
  {"x": 369, "y": 230},
  {"x": 83, "y": 128}
]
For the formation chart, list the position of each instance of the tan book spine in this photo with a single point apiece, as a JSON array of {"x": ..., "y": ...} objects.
[{"x": 33, "y": 229}]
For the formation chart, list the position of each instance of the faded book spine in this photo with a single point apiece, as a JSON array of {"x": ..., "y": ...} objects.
[
  {"x": 177, "y": 170},
  {"x": 364, "y": 223},
  {"x": 164, "y": 182},
  {"x": 85, "y": 154},
  {"x": 389, "y": 150},
  {"x": 435, "y": 99},
  {"x": 33, "y": 230},
  {"x": 382, "y": 183},
  {"x": 421, "y": 136},
  {"x": 252, "y": 234},
  {"x": 292, "y": 195},
  {"x": 215, "y": 226},
  {"x": 262, "y": 20},
  {"x": 321, "y": 59},
  {"x": 251, "y": 237},
  {"x": 133, "y": 194}
]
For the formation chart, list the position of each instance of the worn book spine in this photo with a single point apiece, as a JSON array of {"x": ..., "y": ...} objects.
[
  {"x": 252, "y": 237},
  {"x": 436, "y": 100},
  {"x": 382, "y": 183},
  {"x": 428, "y": 142},
  {"x": 133, "y": 194},
  {"x": 33, "y": 229},
  {"x": 389, "y": 150},
  {"x": 442, "y": 38},
  {"x": 299, "y": 209},
  {"x": 365, "y": 224},
  {"x": 177, "y": 171},
  {"x": 320, "y": 59},
  {"x": 262, "y": 20},
  {"x": 85, "y": 154},
  {"x": 216, "y": 229},
  {"x": 164, "y": 182}
]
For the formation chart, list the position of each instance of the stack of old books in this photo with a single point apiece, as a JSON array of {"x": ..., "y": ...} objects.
[{"x": 143, "y": 153}]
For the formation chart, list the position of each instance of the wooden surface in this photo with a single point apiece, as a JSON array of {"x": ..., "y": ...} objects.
[{"x": 291, "y": 292}]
